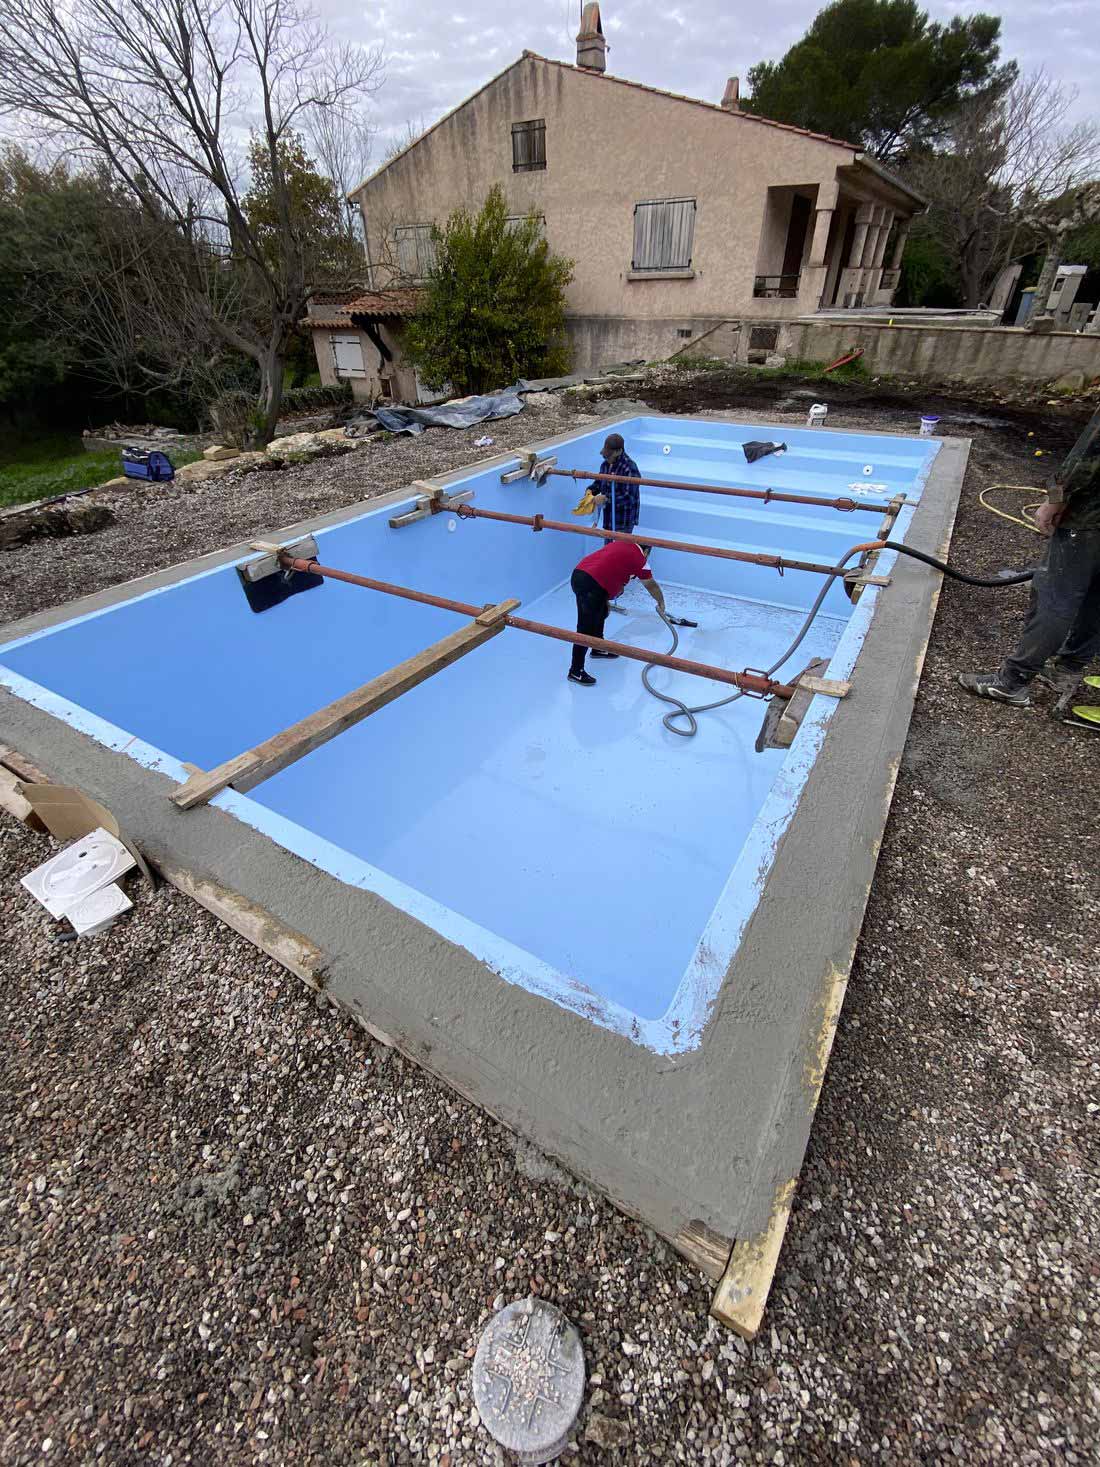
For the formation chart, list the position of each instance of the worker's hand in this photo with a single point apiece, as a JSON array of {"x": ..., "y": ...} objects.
[
  {"x": 600, "y": 499},
  {"x": 1048, "y": 517}
]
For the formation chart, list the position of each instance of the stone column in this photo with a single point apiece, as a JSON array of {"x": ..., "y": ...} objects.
[
  {"x": 811, "y": 285},
  {"x": 899, "y": 244}
]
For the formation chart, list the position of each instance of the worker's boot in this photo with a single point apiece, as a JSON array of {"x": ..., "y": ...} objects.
[{"x": 993, "y": 686}]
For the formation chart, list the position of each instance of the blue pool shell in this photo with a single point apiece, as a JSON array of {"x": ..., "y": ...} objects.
[{"x": 562, "y": 836}]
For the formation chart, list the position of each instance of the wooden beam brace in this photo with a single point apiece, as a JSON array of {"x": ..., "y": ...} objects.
[
  {"x": 831, "y": 687},
  {"x": 268, "y": 562},
  {"x": 528, "y": 463},
  {"x": 437, "y": 501},
  {"x": 249, "y": 769}
]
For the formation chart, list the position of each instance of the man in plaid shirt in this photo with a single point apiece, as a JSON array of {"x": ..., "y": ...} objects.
[{"x": 621, "y": 502}]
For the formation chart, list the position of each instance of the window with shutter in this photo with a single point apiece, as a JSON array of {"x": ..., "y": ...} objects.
[
  {"x": 528, "y": 145},
  {"x": 664, "y": 230},
  {"x": 415, "y": 250},
  {"x": 347, "y": 355},
  {"x": 515, "y": 220}
]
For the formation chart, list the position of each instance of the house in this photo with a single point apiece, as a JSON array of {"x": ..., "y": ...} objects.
[
  {"x": 357, "y": 336},
  {"x": 685, "y": 219}
]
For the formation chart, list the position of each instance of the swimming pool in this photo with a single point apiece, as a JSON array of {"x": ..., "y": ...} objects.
[
  {"x": 499, "y": 825},
  {"x": 628, "y": 857}
]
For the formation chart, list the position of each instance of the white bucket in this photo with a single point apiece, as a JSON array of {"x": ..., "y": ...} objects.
[
  {"x": 816, "y": 416},
  {"x": 928, "y": 426}
]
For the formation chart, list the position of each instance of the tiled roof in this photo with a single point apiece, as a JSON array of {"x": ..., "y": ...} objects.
[
  {"x": 376, "y": 305},
  {"x": 620, "y": 81},
  {"x": 398, "y": 302}
]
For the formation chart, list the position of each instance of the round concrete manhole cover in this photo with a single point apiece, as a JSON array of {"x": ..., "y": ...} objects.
[{"x": 529, "y": 1379}]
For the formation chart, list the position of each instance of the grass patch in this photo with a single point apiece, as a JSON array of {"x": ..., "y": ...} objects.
[{"x": 56, "y": 463}]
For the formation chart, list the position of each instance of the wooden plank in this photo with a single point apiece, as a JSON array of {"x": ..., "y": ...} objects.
[
  {"x": 19, "y": 764},
  {"x": 15, "y": 802},
  {"x": 493, "y": 614},
  {"x": 831, "y": 687},
  {"x": 530, "y": 463},
  {"x": 740, "y": 1297},
  {"x": 253, "y": 922},
  {"x": 249, "y": 769},
  {"x": 268, "y": 564},
  {"x": 790, "y": 717},
  {"x": 705, "y": 1249}
]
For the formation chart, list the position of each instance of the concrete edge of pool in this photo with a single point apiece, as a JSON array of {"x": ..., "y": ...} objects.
[{"x": 706, "y": 1146}]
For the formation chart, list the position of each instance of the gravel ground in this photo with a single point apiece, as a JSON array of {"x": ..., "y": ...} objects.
[{"x": 234, "y": 1230}]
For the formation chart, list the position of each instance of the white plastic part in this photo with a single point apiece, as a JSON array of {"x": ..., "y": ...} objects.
[
  {"x": 868, "y": 468},
  {"x": 78, "y": 871},
  {"x": 97, "y": 912},
  {"x": 817, "y": 414},
  {"x": 667, "y": 448},
  {"x": 452, "y": 524}
]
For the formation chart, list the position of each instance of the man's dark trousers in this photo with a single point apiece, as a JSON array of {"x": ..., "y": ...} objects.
[{"x": 1063, "y": 618}]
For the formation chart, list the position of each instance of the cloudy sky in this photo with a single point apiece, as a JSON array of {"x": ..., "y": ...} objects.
[{"x": 439, "y": 51}]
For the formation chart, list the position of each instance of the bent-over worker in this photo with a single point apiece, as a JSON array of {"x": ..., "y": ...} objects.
[
  {"x": 597, "y": 580},
  {"x": 1061, "y": 635},
  {"x": 621, "y": 502}
]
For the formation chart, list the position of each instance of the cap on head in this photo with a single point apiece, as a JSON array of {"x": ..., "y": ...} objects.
[{"x": 613, "y": 445}]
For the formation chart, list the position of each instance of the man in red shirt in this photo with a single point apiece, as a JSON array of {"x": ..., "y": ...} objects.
[{"x": 598, "y": 579}]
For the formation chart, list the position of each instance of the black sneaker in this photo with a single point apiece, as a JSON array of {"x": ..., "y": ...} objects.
[
  {"x": 608, "y": 655},
  {"x": 989, "y": 685},
  {"x": 1061, "y": 680},
  {"x": 585, "y": 679}
]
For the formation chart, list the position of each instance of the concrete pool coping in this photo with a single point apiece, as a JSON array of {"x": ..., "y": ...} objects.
[{"x": 705, "y": 1147}]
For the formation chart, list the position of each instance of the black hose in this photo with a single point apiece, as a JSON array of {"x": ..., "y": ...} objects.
[{"x": 1008, "y": 579}]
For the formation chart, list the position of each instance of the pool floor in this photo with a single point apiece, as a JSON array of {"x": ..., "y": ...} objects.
[{"x": 566, "y": 820}]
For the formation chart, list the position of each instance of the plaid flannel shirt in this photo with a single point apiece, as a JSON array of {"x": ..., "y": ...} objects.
[{"x": 623, "y": 500}]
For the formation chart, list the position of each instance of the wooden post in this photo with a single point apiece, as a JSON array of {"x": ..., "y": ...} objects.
[{"x": 249, "y": 769}]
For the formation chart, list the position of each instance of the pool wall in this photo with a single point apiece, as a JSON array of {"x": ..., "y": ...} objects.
[{"x": 699, "y": 1144}]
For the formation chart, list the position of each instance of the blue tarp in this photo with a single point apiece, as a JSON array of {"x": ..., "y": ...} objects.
[{"x": 461, "y": 414}]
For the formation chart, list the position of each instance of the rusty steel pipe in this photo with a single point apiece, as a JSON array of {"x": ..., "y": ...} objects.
[
  {"x": 748, "y": 682},
  {"x": 539, "y": 522},
  {"x": 848, "y": 505}
]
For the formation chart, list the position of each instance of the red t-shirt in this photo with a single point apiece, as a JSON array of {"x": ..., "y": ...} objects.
[{"x": 614, "y": 564}]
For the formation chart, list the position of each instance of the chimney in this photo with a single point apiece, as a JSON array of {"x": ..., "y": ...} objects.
[
  {"x": 731, "y": 97},
  {"x": 591, "y": 46}
]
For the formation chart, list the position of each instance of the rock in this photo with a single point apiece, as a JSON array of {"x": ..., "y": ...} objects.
[
  {"x": 79, "y": 517},
  {"x": 218, "y": 451},
  {"x": 1072, "y": 381},
  {"x": 775, "y": 360},
  {"x": 295, "y": 443},
  {"x": 201, "y": 470},
  {"x": 603, "y": 1431},
  {"x": 333, "y": 435}
]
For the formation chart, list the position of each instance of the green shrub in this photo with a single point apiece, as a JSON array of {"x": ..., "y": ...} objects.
[
  {"x": 303, "y": 399},
  {"x": 494, "y": 308}
]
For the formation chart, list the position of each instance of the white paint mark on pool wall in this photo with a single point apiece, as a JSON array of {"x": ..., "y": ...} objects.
[{"x": 621, "y": 886}]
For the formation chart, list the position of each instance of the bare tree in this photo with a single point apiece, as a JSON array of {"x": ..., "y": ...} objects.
[
  {"x": 1008, "y": 158},
  {"x": 342, "y": 140},
  {"x": 163, "y": 92},
  {"x": 412, "y": 132}
]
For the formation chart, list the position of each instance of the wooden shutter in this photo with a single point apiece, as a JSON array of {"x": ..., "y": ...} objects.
[
  {"x": 664, "y": 231},
  {"x": 347, "y": 355},
  {"x": 528, "y": 145}
]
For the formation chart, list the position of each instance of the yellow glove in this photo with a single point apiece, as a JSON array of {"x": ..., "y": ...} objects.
[{"x": 587, "y": 504}]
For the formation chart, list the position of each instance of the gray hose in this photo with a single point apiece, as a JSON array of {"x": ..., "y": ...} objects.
[{"x": 683, "y": 711}]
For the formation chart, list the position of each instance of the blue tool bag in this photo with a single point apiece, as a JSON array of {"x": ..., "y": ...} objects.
[{"x": 137, "y": 464}]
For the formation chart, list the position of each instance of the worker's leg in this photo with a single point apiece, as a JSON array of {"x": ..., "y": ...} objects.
[
  {"x": 591, "y": 612},
  {"x": 1082, "y": 644},
  {"x": 1062, "y": 617}
]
